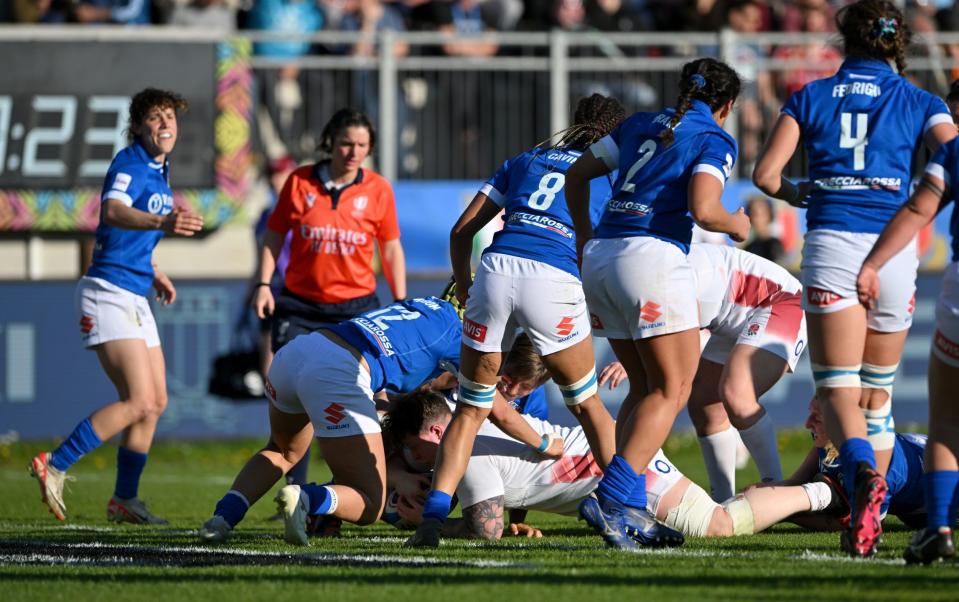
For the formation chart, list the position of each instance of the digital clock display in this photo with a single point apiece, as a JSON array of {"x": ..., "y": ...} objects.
[{"x": 64, "y": 109}]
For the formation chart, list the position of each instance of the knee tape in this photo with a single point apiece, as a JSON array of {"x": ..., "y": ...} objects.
[
  {"x": 741, "y": 514},
  {"x": 836, "y": 377},
  {"x": 880, "y": 427},
  {"x": 873, "y": 376},
  {"x": 581, "y": 390},
  {"x": 476, "y": 394},
  {"x": 693, "y": 513}
]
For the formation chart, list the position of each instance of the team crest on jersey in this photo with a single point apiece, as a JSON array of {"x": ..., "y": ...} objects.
[
  {"x": 360, "y": 202},
  {"x": 310, "y": 199},
  {"x": 820, "y": 297},
  {"x": 474, "y": 330},
  {"x": 752, "y": 330},
  {"x": 160, "y": 204}
]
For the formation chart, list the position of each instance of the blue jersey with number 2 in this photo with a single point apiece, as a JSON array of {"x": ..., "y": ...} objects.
[
  {"x": 860, "y": 128},
  {"x": 530, "y": 188},
  {"x": 406, "y": 342},
  {"x": 123, "y": 257},
  {"x": 650, "y": 193}
]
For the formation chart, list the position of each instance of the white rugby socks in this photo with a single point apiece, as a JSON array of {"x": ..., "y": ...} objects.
[
  {"x": 760, "y": 440},
  {"x": 719, "y": 454}
]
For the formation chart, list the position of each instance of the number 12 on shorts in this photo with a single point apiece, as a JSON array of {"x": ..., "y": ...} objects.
[{"x": 855, "y": 139}]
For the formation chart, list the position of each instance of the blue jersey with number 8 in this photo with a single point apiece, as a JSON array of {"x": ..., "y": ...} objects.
[
  {"x": 406, "y": 342},
  {"x": 531, "y": 189},
  {"x": 650, "y": 195},
  {"x": 860, "y": 129}
]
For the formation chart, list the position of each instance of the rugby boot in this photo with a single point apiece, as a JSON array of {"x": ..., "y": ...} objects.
[
  {"x": 51, "y": 483},
  {"x": 294, "y": 504},
  {"x": 215, "y": 530},
  {"x": 647, "y": 531},
  {"x": 133, "y": 511},
  {"x": 607, "y": 518},
  {"x": 324, "y": 525},
  {"x": 930, "y": 545},
  {"x": 427, "y": 535},
  {"x": 862, "y": 538}
]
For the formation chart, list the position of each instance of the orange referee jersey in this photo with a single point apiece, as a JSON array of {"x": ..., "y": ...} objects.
[{"x": 331, "y": 252}]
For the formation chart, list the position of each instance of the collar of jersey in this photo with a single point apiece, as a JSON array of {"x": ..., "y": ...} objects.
[
  {"x": 700, "y": 107},
  {"x": 859, "y": 63},
  {"x": 146, "y": 158},
  {"x": 323, "y": 175}
]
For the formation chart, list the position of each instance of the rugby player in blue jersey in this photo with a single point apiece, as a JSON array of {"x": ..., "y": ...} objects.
[
  {"x": 639, "y": 282},
  {"x": 860, "y": 129},
  {"x": 527, "y": 278},
  {"x": 323, "y": 384},
  {"x": 941, "y": 482},
  {"x": 115, "y": 318}
]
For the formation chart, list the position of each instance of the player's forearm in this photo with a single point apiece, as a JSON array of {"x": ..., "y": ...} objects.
[
  {"x": 269, "y": 252},
  {"x": 118, "y": 215},
  {"x": 394, "y": 267},
  {"x": 511, "y": 422}
]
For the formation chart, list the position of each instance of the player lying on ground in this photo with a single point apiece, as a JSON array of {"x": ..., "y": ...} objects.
[
  {"x": 324, "y": 382},
  {"x": 503, "y": 474}
]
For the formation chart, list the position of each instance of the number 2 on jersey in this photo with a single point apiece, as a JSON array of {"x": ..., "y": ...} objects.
[
  {"x": 646, "y": 151},
  {"x": 549, "y": 187},
  {"x": 856, "y": 141}
]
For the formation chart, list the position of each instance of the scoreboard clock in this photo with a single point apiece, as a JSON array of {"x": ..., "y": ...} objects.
[{"x": 63, "y": 116}]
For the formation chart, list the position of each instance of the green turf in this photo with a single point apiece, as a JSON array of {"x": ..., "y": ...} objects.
[{"x": 184, "y": 480}]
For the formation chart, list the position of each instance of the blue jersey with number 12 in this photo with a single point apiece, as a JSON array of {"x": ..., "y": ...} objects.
[
  {"x": 650, "y": 193},
  {"x": 530, "y": 188},
  {"x": 860, "y": 128},
  {"x": 406, "y": 343}
]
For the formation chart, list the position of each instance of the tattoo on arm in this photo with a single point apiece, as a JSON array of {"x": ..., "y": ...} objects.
[{"x": 482, "y": 520}]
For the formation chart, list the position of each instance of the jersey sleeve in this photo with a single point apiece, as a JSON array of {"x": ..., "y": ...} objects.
[
  {"x": 607, "y": 148},
  {"x": 717, "y": 157},
  {"x": 793, "y": 106},
  {"x": 280, "y": 219},
  {"x": 121, "y": 184},
  {"x": 389, "y": 227},
  {"x": 936, "y": 112},
  {"x": 496, "y": 187},
  {"x": 481, "y": 482},
  {"x": 941, "y": 164}
]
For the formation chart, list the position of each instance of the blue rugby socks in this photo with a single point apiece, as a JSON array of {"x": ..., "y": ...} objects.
[
  {"x": 232, "y": 507},
  {"x": 851, "y": 453},
  {"x": 322, "y": 498},
  {"x": 81, "y": 441},
  {"x": 622, "y": 485},
  {"x": 129, "y": 468},
  {"x": 437, "y": 506},
  {"x": 940, "y": 493}
]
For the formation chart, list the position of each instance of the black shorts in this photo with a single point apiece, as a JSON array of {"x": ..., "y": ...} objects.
[{"x": 295, "y": 315}]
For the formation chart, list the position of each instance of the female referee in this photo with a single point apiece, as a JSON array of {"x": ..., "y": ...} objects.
[
  {"x": 861, "y": 128},
  {"x": 115, "y": 319}
]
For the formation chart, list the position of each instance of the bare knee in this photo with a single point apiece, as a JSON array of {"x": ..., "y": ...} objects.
[
  {"x": 721, "y": 524},
  {"x": 142, "y": 406},
  {"x": 739, "y": 399}
]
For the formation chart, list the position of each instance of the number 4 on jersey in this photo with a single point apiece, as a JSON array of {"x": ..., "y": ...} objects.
[{"x": 856, "y": 141}]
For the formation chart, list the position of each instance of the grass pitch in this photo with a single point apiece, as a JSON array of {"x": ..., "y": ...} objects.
[{"x": 90, "y": 559}]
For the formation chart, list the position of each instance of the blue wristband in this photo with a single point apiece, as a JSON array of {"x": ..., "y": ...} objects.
[{"x": 543, "y": 444}]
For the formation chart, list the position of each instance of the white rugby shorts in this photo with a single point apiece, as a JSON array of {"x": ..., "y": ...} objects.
[
  {"x": 779, "y": 329},
  {"x": 110, "y": 313},
  {"x": 830, "y": 264},
  {"x": 945, "y": 341},
  {"x": 639, "y": 287},
  {"x": 313, "y": 375},
  {"x": 513, "y": 292}
]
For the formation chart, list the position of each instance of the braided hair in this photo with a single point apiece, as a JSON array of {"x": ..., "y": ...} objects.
[
  {"x": 875, "y": 29},
  {"x": 708, "y": 80},
  {"x": 596, "y": 116}
]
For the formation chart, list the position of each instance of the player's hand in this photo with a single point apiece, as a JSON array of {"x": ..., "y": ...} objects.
[
  {"x": 412, "y": 486},
  {"x": 263, "y": 302},
  {"x": 183, "y": 222},
  {"x": 741, "y": 225},
  {"x": 166, "y": 292},
  {"x": 444, "y": 382},
  {"x": 409, "y": 510},
  {"x": 463, "y": 292},
  {"x": 613, "y": 374},
  {"x": 802, "y": 196},
  {"x": 524, "y": 530},
  {"x": 555, "y": 449},
  {"x": 867, "y": 286}
]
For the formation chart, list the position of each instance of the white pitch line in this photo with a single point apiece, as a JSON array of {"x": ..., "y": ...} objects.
[
  {"x": 810, "y": 556},
  {"x": 15, "y": 474}
]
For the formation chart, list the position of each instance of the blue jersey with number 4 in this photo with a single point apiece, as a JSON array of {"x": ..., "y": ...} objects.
[
  {"x": 530, "y": 188},
  {"x": 406, "y": 342},
  {"x": 945, "y": 166},
  {"x": 650, "y": 193},
  {"x": 860, "y": 129},
  {"x": 123, "y": 257}
]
